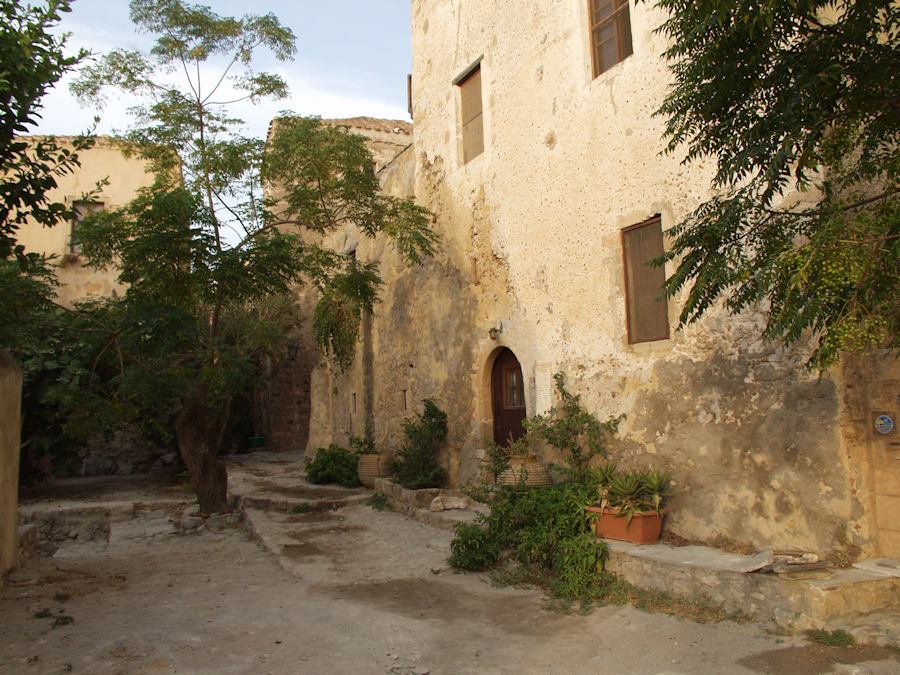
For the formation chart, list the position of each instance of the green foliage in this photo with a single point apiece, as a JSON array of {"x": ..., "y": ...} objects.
[
  {"x": 833, "y": 638},
  {"x": 363, "y": 445},
  {"x": 32, "y": 60},
  {"x": 378, "y": 502},
  {"x": 787, "y": 96},
  {"x": 473, "y": 548},
  {"x": 209, "y": 257},
  {"x": 416, "y": 464},
  {"x": 577, "y": 433},
  {"x": 632, "y": 491},
  {"x": 497, "y": 459},
  {"x": 544, "y": 529},
  {"x": 334, "y": 464}
]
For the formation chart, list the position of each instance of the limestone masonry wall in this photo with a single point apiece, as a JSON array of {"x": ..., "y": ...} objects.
[{"x": 531, "y": 243}]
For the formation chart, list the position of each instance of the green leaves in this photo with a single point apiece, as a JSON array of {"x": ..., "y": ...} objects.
[
  {"x": 790, "y": 96},
  {"x": 32, "y": 60}
]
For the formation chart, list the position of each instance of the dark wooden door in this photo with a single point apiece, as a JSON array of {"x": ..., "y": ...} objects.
[{"x": 507, "y": 398}]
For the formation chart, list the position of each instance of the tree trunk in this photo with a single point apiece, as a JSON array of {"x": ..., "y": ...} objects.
[{"x": 197, "y": 442}]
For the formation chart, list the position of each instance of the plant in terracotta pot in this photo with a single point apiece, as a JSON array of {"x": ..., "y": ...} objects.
[
  {"x": 372, "y": 464},
  {"x": 630, "y": 503}
]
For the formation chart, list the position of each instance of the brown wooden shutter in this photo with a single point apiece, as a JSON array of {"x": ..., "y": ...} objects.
[
  {"x": 646, "y": 307},
  {"x": 472, "y": 115}
]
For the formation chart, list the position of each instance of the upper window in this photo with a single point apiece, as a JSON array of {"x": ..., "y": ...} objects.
[
  {"x": 610, "y": 33},
  {"x": 645, "y": 302},
  {"x": 81, "y": 210},
  {"x": 472, "y": 118},
  {"x": 513, "y": 388}
]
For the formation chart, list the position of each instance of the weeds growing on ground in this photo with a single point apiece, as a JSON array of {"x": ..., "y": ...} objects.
[
  {"x": 832, "y": 638},
  {"x": 378, "y": 502}
]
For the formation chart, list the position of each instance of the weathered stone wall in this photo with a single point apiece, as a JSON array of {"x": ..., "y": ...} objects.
[
  {"x": 125, "y": 176},
  {"x": 10, "y": 428},
  {"x": 531, "y": 243}
]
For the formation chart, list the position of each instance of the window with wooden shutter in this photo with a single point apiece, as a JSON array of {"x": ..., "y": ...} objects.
[
  {"x": 472, "y": 117},
  {"x": 81, "y": 209},
  {"x": 610, "y": 33},
  {"x": 645, "y": 302}
]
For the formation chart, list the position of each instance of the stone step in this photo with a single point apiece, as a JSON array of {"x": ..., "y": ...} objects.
[
  {"x": 792, "y": 604},
  {"x": 262, "y": 502}
]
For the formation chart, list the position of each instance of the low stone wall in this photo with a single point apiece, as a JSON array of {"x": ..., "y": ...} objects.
[
  {"x": 433, "y": 506},
  {"x": 10, "y": 429},
  {"x": 51, "y": 528}
]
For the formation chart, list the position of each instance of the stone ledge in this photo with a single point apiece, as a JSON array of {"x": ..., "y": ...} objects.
[
  {"x": 695, "y": 571},
  {"x": 417, "y": 504}
]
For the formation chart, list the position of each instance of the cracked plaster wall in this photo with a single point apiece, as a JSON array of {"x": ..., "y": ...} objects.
[{"x": 531, "y": 238}]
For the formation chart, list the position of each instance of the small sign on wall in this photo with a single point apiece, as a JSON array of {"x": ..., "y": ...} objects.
[{"x": 884, "y": 424}]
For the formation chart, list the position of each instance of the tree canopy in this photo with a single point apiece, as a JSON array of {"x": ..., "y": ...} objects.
[
  {"x": 798, "y": 103},
  {"x": 212, "y": 252},
  {"x": 32, "y": 60}
]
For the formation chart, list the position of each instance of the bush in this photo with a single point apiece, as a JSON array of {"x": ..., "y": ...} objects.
[
  {"x": 546, "y": 530},
  {"x": 473, "y": 548},
  {"x": 416, "y": 465},
  {"x": 334, "y": 464}
]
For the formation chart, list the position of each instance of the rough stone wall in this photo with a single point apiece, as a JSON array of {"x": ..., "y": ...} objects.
[
  {"x": 10, "y": 427},
  {"x": 126, "y": 175},
  {"x": 531, "y": 243}
]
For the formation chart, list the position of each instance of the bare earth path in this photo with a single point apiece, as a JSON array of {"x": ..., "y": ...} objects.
[{"x": 356, "y": 591}]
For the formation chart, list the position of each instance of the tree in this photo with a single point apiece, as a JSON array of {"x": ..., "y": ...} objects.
[
  {"x": 209, "y": 255},
  {"x": 32, "y": 60},
  {"x": 791, "y": 96}
]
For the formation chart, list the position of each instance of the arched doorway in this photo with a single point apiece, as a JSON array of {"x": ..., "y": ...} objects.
[{"x": 507, "y": 398}]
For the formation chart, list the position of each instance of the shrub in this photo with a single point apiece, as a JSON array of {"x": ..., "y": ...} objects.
[
  {"x": 473, "y": 548},
  {"x": 363, "y": 445},
  {"x": 545, "y": 530},
  {"x": 416, "y": 465},
  {"x": 334, "y": 464},
  {"x": 577, "y": 433}
]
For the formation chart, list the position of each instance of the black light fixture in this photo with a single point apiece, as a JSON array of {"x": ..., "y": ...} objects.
[{"x": 293, "y": 348}]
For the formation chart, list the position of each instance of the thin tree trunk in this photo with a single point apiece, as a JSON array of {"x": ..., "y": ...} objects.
[{"x": 196, "y": 437}]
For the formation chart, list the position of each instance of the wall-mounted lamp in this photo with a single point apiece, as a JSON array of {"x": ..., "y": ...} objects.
[
  {"x": 494, "y": 331},
  {"x": 293, "y": 348}
]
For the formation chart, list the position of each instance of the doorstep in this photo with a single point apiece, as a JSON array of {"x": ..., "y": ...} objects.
[{"x": 792, "y": 604}]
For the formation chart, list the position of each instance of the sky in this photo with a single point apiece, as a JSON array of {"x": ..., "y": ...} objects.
[{"x": 352, "y": 59}]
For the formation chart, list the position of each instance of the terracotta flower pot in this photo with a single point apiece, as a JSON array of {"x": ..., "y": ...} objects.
[
  {"x": 371, "y": 467},
  {"x": 644, "y": 528},
  {"x": 534, "y": 472}
]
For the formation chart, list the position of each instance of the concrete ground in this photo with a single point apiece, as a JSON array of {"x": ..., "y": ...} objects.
[
  {"x": 351, "y": 590},
  {"x": 319, "y": 582}
]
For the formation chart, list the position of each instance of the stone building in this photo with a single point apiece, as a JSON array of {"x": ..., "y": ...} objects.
[
  {"x": 123, "y": 177},
  {"x": 535, "y": 146}
]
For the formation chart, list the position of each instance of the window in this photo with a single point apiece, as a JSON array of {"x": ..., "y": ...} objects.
[
  {"x": 513, "y": 388},
  {"x": 610, "y": 33},
  {"x": 81, "y": 210},
  {"x": 645, "y": 305},
  {"x": 472, "y": 119}
]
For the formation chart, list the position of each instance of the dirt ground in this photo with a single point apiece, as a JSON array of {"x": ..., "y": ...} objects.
[{"x": 352, "y": 591}]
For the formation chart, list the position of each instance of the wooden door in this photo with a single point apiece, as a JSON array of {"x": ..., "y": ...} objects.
[{"x": 507, "y": 398}]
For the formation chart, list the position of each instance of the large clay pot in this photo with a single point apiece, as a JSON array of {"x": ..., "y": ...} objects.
[
  {"x": 371, "y": 467},
  {"x": 534, "y": 472},
  {"x": 644, "y": 528}
]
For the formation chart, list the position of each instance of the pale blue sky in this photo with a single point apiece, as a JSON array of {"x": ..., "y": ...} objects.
[{"x": 352, "y": 59}]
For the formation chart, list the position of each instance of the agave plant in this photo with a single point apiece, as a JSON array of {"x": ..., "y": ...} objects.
[{"x": 633, "y": 491}]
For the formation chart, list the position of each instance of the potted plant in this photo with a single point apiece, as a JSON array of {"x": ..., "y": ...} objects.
[
  {"x": 630, "y": 504},
  {"x": 371, "y": 465},
  {"x": 523, "y": 467}
]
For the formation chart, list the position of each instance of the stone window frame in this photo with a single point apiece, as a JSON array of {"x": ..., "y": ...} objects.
[{"x": 620, "y": 19}]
